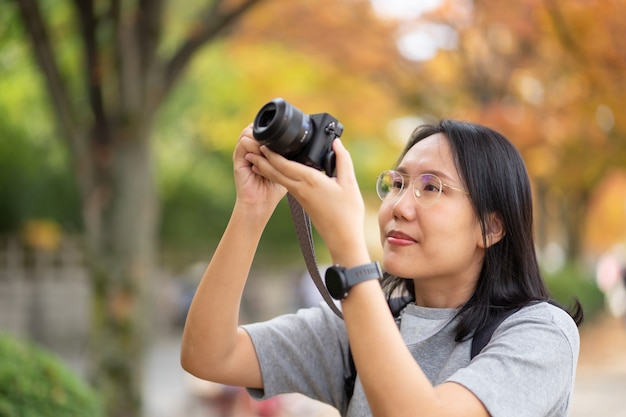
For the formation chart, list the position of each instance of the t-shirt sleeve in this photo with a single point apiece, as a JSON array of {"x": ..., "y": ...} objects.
[
  {"x": 305, "y": 352},
  {"x": 529, "y": 366}
]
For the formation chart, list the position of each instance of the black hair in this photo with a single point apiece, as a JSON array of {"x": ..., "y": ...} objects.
[{"x": 494, "y": 175}]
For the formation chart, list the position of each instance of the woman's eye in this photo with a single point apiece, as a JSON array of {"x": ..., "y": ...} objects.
[
  {"x": 430, "y": 187},
  {"x": 396, "y": 184}
]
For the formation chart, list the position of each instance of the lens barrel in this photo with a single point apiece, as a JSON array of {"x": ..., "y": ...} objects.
[{"x": 282, "y": 127}]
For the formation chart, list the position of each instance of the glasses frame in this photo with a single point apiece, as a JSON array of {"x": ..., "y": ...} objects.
[{"x": 407, "y": 177}]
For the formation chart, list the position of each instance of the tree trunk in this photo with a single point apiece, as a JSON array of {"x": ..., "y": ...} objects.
[
  {"x": 574, "y": 212},
  {"x": 108, "y": 142},
  {"x": 121, "y": 226}
]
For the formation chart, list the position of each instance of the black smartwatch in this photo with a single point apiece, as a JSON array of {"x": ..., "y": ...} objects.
[{"x": 339, "y": 280}]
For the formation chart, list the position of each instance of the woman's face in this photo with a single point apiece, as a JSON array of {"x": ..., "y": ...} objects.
[{"x": 440, "y": 246}]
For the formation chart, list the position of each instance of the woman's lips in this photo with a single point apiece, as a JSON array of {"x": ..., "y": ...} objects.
[{"x": 396, "y": 237}]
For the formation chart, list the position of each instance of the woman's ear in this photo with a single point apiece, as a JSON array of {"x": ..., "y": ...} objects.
[{"x": 494, "y": 231}]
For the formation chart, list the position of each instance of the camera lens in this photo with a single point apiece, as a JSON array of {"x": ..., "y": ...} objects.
[{"x": 282, "y": 127}]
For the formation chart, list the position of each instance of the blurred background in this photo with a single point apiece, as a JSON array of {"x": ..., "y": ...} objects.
[{"x": 117, "y": 125}]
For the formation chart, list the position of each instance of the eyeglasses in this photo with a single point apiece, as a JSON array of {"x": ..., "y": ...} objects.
[{"x": 426, "y": 187}]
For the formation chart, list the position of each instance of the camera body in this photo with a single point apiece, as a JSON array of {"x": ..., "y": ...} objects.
[{"x": 298, "y": 136}]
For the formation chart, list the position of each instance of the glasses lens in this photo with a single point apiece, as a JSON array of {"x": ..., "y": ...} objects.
[
  {"x": 427, "y": 189},
  {"x": 389, "y": 184}
]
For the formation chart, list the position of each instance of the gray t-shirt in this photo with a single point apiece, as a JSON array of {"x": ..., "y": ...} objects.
[{"x": 526, "y": 370}]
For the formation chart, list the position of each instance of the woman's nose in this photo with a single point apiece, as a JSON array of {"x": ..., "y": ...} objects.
[{"x": 404, "y": 205}]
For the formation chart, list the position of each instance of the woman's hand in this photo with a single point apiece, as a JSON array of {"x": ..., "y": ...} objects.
[
  {"x": 334, "y": 204},
  {"x": 253, "y": 189}
]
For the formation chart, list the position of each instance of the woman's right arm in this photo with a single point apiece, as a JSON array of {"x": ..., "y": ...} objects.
[{"x": 213, "y": 346}]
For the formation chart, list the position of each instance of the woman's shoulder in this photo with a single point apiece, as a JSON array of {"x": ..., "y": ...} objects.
[
  {"x": 546, "y": 310},
  {"x": 543, "y": 316}
]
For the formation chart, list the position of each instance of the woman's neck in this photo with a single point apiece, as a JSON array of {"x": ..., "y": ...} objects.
[{"x": 436, "y": 294}]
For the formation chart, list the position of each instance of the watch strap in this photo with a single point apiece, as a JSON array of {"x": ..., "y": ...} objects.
[{"x": 362, "y": 273}]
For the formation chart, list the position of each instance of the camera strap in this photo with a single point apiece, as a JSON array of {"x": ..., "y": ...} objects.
[{"x": 302, "y": 224}]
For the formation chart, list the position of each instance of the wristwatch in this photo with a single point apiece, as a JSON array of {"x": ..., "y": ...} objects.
[{"x": 339, "y": 280}]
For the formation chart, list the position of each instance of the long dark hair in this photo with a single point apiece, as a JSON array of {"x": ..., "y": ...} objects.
[{"x": 495, "y": 177}]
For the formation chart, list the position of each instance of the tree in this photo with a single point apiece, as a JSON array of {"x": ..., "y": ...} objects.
[{"x": 106, "y": 124}]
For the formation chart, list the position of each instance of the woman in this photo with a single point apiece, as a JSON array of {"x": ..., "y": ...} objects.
[{"x": 456, "y": 230}]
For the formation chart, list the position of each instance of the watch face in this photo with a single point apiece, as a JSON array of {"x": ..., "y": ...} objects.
[{"x": 335, "y": 283}]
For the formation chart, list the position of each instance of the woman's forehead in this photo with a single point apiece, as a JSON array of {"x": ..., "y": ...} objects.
[{"x": 431, "y": 153}]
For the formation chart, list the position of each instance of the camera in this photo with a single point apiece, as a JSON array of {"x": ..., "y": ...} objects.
[{"x": 298, "y": 136}]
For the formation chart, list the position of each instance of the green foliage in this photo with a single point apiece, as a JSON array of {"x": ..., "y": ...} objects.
[
  {"x": 195, "y": 132},
  {"x": 35, "y": 176},
  {"x": 572, "y": 282},
  {"x": 34, "y": 183},
  {"x": 34, "y": 383}
]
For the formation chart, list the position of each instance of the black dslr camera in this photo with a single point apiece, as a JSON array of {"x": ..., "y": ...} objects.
[{"x": 298, "y": 136}]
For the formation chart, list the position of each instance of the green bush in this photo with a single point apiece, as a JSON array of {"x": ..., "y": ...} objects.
[
  {"x": 34, "y": 383},
  {"x": 572, "y": 282}
]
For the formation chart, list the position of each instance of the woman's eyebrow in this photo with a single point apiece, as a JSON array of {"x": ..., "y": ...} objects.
[{"x": 437, "y": 172}]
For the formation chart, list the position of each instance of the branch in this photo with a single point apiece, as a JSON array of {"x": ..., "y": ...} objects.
[
  {"x": 126, "y": 61},
  {"x": 93, "y": 70},
  {"x": 213, "y": 23},
  {"x": 44, "y": 56},
  {"x": 137, "y": 35},
  {"x": 563, "y": 32},
  {"x": 149, "y": 31}
]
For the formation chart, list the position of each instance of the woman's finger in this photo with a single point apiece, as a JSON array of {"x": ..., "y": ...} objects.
[
  {"x": 343, "y": 162},
  {"x": 281, "y": 169}
]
